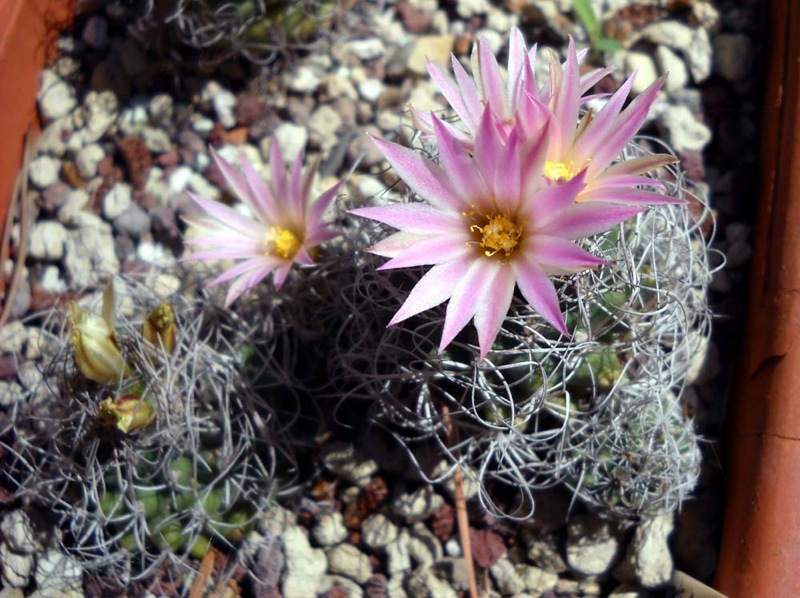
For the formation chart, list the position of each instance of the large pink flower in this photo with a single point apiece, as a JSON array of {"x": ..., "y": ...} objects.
[
  {"x": 492, "y": 221},
  {"x": 286, "y": 223}
]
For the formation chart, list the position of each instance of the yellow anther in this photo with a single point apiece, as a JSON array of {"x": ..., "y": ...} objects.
[
  {"x": 281, "y": 242},
  {"x": 500, "y": 233},
  {"x": 559, "y": 171}
]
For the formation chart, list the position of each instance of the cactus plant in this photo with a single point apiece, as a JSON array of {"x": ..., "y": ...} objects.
[
  {"x": 216, "y": 30},
  {"x": 177, "y": 455},
  {"x": 525, "y": 413}
]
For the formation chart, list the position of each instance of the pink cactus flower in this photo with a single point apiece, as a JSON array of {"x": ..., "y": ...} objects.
[
  {"x": 594, "y": 142},
  {"x": 285, "y": 226},
  {"x": 491, "y": 222},
  {"x": 591, "y": 142},
  {"x": 468, "y": 96}
]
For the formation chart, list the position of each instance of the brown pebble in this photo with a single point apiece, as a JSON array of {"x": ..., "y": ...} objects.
[{"x": 249, "y": 110}]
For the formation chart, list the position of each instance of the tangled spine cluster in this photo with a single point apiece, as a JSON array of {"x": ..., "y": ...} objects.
[{"x": 195, "y": 474}]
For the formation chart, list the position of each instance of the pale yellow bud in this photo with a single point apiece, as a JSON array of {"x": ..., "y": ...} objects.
[
  {"x": 126, "y": 412},
  {"x": 159, "y": 328},
  {"x": 97, "y": 354}
]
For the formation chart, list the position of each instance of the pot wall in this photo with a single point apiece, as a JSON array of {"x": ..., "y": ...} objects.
[
  {"x": 760, "y": 550},
  {"x": 28, "y": 29}
]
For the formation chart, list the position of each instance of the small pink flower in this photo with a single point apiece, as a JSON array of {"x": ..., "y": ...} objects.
[
  {"x": 492, "y": 222},
  {"x": 286, "y": 223},
  {"x": 592, "y": 143}
]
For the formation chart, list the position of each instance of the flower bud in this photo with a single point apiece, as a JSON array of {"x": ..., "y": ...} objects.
[
  {"x": 159, "y": 328},
  {"x": 126, "y": 412},
  {"x": 97, "y": 354}
]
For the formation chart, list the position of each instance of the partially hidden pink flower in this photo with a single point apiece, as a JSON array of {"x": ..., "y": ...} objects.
[
  {"x": 285, "y": 226},
  {"x": 468, "y": 96},
  {"x": 595, "y": 142},
  {"x": 491, "y": 222},
  {"x": 590, "y": 142}
]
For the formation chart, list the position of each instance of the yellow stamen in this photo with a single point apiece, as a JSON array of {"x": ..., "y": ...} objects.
[
  {"x": 281, "y": 242},
  {"x": 559, "y": 171},
  {"x": 500, "y": 233}
]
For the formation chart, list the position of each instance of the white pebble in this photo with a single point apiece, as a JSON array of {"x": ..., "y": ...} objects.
[
  {"x": 47, "y": 239},
  {"x": 56, "y": 96},
  {"x": 43, "y": 171},
  {"x": 116, "y": 200},
  {"x": 87, "y": 159}
]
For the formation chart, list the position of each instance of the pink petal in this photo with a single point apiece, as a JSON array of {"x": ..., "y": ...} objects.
[
  {"x": 488, "y": 145},
  {"x": 281, "y": 272},
  {"x": 236, "y": 182},
  {"x": 586, "y": 219},
  {"x": 302, "y": 257},
  {"x": 517, "y": 55},
  {"x": 430, "y": 251},
  {"x": 296, "y": 198},
  {"x": 466, "y": 297},
  {"x": 459, "y": 166},
  {"x": 432, "y": 289},
  {"x": 472, "y": 101},
  {"x": 626, "y": 196},
  {"x": 549, "y": 202},
  {"x": 559, "y": 256},
  {"x": 539, "y": 292},
  {"x": 624, "y": 127},
  {"x": 224, "y": 238},
  {"x": 245, "y": 282},
  {"x": 598, "y": 128},
  {"x": 263, "y": 202},
  {"x": 533, "y": 156},
  {"x": 491, "y": 81},
  {"x": 641, "y": 165},
  {"x": 320, "y": 235},
  {"x": 317, "y": 208},
  {"x": 591, "y": 79},
  {"x": 421, "y": 120},
  {"x": 308, "y": 180},
  {"x": 532, "y": 115},
  {"x": 423, "y": 176},
  {"x": 223, "y": 254},
  {"x": 415, "y": 218},
  {"x": 449, "y": 90},
  {"x": 227, "y": 216},
  {"x": 626, "y": 180},
  {"x": 278, "y": 170},
  {"x": 567, "y": 102},
  {"x": 493, "y": 308},
  {"x": 507, "y": 178},
  {"x": 395, "y": 244},
  {"x": 246, "y": 268},
  {"x": 236, "y": 289}
]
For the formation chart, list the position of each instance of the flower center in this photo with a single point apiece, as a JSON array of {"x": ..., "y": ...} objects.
[
  {"x": 500, "y": 233},
  {"x": 281, "y": 242},
  {"x": 559, "y": 171}
]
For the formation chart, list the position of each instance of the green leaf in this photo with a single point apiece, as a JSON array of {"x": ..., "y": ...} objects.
[
  {"x": 607, "y": 44},
  {"x": 585, "y": 12}
]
